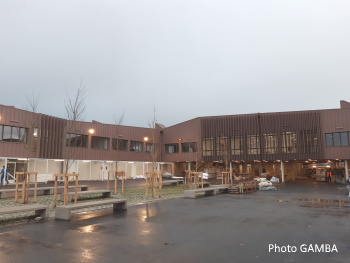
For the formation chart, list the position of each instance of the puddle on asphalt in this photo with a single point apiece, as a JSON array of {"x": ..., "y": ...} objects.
[
  {"x": 322, "y": 200},
  {"x": 323, "y": 203}
]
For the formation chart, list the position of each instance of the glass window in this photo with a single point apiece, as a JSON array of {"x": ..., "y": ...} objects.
[
  {"x": 222, "y": 147},
  {"x": 236, "y": 145},
  {"x": 76, "y": 140},
  {"x": 270, "y": 143},
  {"x": 15, "y": 134},
  {"x": 344, "y": 139},
  {"x": 188, "y": 147},
  {"x": 208, "y": 146},
  {"x": 7, "y": 133},
  {"x": 329, "y": 139},
  {"x": 136, "y": 146},
  {"x": 99, "y": 143},
  {"x": 289, "y": 142},
  {"x": 172, "y": 148},
  {"x": 119, "y": 144},
  {"x": 336, "y": 139},
  {"x": 253, "y": 144},
  {"x": 308, "y": 139},
  {"x": 1, "y": 128},
  {"x": 23, "y": 135},
  {"x": 149, "y": 147}
]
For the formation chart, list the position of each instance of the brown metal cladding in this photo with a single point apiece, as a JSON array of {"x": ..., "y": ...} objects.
[
  {"x": 110, "y": 131},
  {"x": 336, "y": 120},
  {"x": 51, "y": 134},
  {"x": 188, "y": 131},
  {"x": 10, "y": 116},
  {"x": 263, "y": 123}
]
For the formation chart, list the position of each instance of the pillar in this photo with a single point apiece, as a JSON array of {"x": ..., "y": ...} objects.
[
  {"x": 346, "y": 170},
  {"x": 282, "y": 171}
]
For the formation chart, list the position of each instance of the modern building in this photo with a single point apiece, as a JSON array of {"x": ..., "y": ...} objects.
[{"x": 290, "y": 145}]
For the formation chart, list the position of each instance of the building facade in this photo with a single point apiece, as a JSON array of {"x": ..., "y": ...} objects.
[{"x": 286, "y": 144}]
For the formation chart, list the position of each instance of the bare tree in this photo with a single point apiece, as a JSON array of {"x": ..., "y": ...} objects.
[
  {"x": 31, "y": 136},
  {"x": 117, "y": 142},
  {"x": 154, "y": 144},
  {"x": 33, "y": 101},
  {"x": 75, "y": 112}
]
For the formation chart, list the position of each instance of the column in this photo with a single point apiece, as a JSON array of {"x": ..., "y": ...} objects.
[
  {"x": 346, "y": 170},
  {"x": 282, "y": 171}
]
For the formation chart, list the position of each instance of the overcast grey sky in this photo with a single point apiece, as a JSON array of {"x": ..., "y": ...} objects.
[{"x": 189, "y": 58}]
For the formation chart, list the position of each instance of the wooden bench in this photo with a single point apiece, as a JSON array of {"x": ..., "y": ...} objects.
[
  {"x": 64, "y": 212},
  {"x": 40, "y": 210},
  {"x": 7, "y": 193},
  {"x": 104, "y": 193},
  {"x": 172, "y": 182},
  {"x": 207, "y": 191}
]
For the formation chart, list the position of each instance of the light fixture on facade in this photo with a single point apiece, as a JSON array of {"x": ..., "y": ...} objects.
[
  {"x": 145, "y": 139},
  {"x": 109, "y": 161},
  {"x": 86, "y": 161},
  {"x": 180, "y": 140},
  {"x": 91, "y": 131},
  {"x": 58, "y": 160},
  {"x": 22, "y": 159}
]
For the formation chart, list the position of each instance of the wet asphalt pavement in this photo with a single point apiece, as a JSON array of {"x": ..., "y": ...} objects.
[{"x": 223, "y": 228}]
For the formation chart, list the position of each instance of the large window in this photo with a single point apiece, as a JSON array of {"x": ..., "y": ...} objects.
[
  {"x": 149, "y": 147},
  {"x": 136, "y": 146},
  {"x": 188, "y": 147},
  {"x": 76, "y": 140},
  {"x": 289, "y": 142},
  {"x": 208, "y": 146},
  {"x": 308, "y": 139},
  {"x": 222, "y": 147},
  {"x": 13, "y": 134},
  {"x": 119, "y": 144},
  {"x": 236, "y": 145},
  {"x": 172, "y": 148},
  {"x": 337, "y": 139},
  {"x": 270, "y": 143},
  {"x": 99, "y": 143},
  {"x": 253, "y": 144}
]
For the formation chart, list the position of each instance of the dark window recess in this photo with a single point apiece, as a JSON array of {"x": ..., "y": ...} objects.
[
  {"x": 329, "y": 139},
  {"x": 76, "y": 140},
  {"x": 149, "y": 147},
  {"x": 136, "y": 146},
  {"x": 188, "y": 147},
  {"x": 308, "y": 139},
  {"x": 99, "y": 143},
  {"x": 13, "y": 134},
  {"x": 119, "y": 144},
  {"x": 344, "y": 139},
  {"x": 171, "y": 148},
  {"x": 337, "y": 139}
]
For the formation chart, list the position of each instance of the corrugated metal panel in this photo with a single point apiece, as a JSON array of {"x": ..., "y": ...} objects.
[{"x": 259, "y": 124}]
